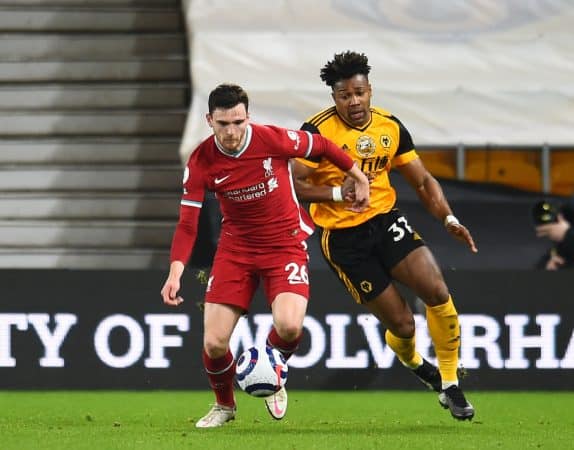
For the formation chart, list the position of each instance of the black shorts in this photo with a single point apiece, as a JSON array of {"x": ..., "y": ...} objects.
[{"x": 363, "y": 256}]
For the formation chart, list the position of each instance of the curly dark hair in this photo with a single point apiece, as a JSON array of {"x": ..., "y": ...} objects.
[{"x": 344, "y": 66}]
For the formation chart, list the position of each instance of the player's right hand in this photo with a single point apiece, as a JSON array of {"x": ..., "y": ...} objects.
[
  {"x": 348, "y": 190},
  {"x": 169, "y": 293}
]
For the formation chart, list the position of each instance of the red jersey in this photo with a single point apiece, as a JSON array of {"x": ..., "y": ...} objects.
[{"x": 254, "y": 189}]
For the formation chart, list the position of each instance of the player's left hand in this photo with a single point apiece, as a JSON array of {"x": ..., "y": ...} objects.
[{"x": 460, "y": 232}]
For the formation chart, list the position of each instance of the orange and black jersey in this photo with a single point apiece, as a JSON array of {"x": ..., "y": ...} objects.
[{"x": 374, "y": 147}]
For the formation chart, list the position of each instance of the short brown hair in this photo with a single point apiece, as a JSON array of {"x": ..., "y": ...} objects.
[{"x": 227, "y": 96}]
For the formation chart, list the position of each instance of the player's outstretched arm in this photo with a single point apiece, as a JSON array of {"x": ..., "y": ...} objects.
[
  {"x": 181, "y": 248},
  {"x": 310, "y": 192},
  {"x": 305, "y": 190},
  {"x": 431, "y": 195}
]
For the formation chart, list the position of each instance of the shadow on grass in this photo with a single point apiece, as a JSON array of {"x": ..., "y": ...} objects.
[{"x": 345, "y": 429}]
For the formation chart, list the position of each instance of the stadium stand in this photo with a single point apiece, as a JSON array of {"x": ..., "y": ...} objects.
[
  {"x": 562, "y": 171},
  {"x": 93, "y": 100},
  {"x": 519, "y": 168},
  {"x": 441, "y": 163}
]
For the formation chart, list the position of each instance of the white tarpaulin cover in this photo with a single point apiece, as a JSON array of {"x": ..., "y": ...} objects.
[{"x": 465, "y": 71}]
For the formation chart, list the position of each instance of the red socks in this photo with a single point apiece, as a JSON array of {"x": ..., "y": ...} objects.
[
  {"x": 220, "y": 373},
  {"x": 286, "y": 348}
]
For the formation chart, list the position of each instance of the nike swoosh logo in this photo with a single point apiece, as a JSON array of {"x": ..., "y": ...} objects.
[
  {"x": 221, "y": 180},
  {"x": 278, "y": 410}
]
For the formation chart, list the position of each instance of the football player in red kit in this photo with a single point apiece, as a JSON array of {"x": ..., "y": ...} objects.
[{"x": 262, "y": 237}]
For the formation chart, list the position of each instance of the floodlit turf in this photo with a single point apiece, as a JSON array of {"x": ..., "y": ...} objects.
[{"x": 315, "y": 420}]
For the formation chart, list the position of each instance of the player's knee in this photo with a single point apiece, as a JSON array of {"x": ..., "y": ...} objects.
[
  {"x": 441, "y": 293},
  {"x": 436, "y": 292},
  {"x": 288, "y": 331},
  {"x": 215, "y": 347},
  {"x": 404, "y": 328}
]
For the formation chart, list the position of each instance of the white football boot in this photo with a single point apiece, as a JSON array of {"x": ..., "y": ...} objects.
[
  {"x": 217, "y": 416},
  {"x": 277, "y": 404}
]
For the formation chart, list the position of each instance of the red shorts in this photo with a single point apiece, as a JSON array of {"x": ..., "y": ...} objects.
[{"x": 235, "y": 276}]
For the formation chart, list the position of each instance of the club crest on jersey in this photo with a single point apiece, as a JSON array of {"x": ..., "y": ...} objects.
[
  {"x": 386, "y": 141},
  {"x": 365, "y": 146},
  {"x": 268, "y": 167}
]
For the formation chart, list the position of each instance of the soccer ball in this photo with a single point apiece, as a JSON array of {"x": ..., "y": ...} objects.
[{"x": 261, "y": 371}]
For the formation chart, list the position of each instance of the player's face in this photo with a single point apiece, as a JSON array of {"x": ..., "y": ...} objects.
[
  {"x": 229, "y": 126},
  {"x": 353, "y": 100}
]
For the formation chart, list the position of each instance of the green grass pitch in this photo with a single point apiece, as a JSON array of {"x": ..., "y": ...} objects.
[{"x": 315, "y": 420}]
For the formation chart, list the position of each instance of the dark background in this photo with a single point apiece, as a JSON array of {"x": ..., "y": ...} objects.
[
  {"x": 499, "y": 218},
  {"x": 93, "y": 295}
]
